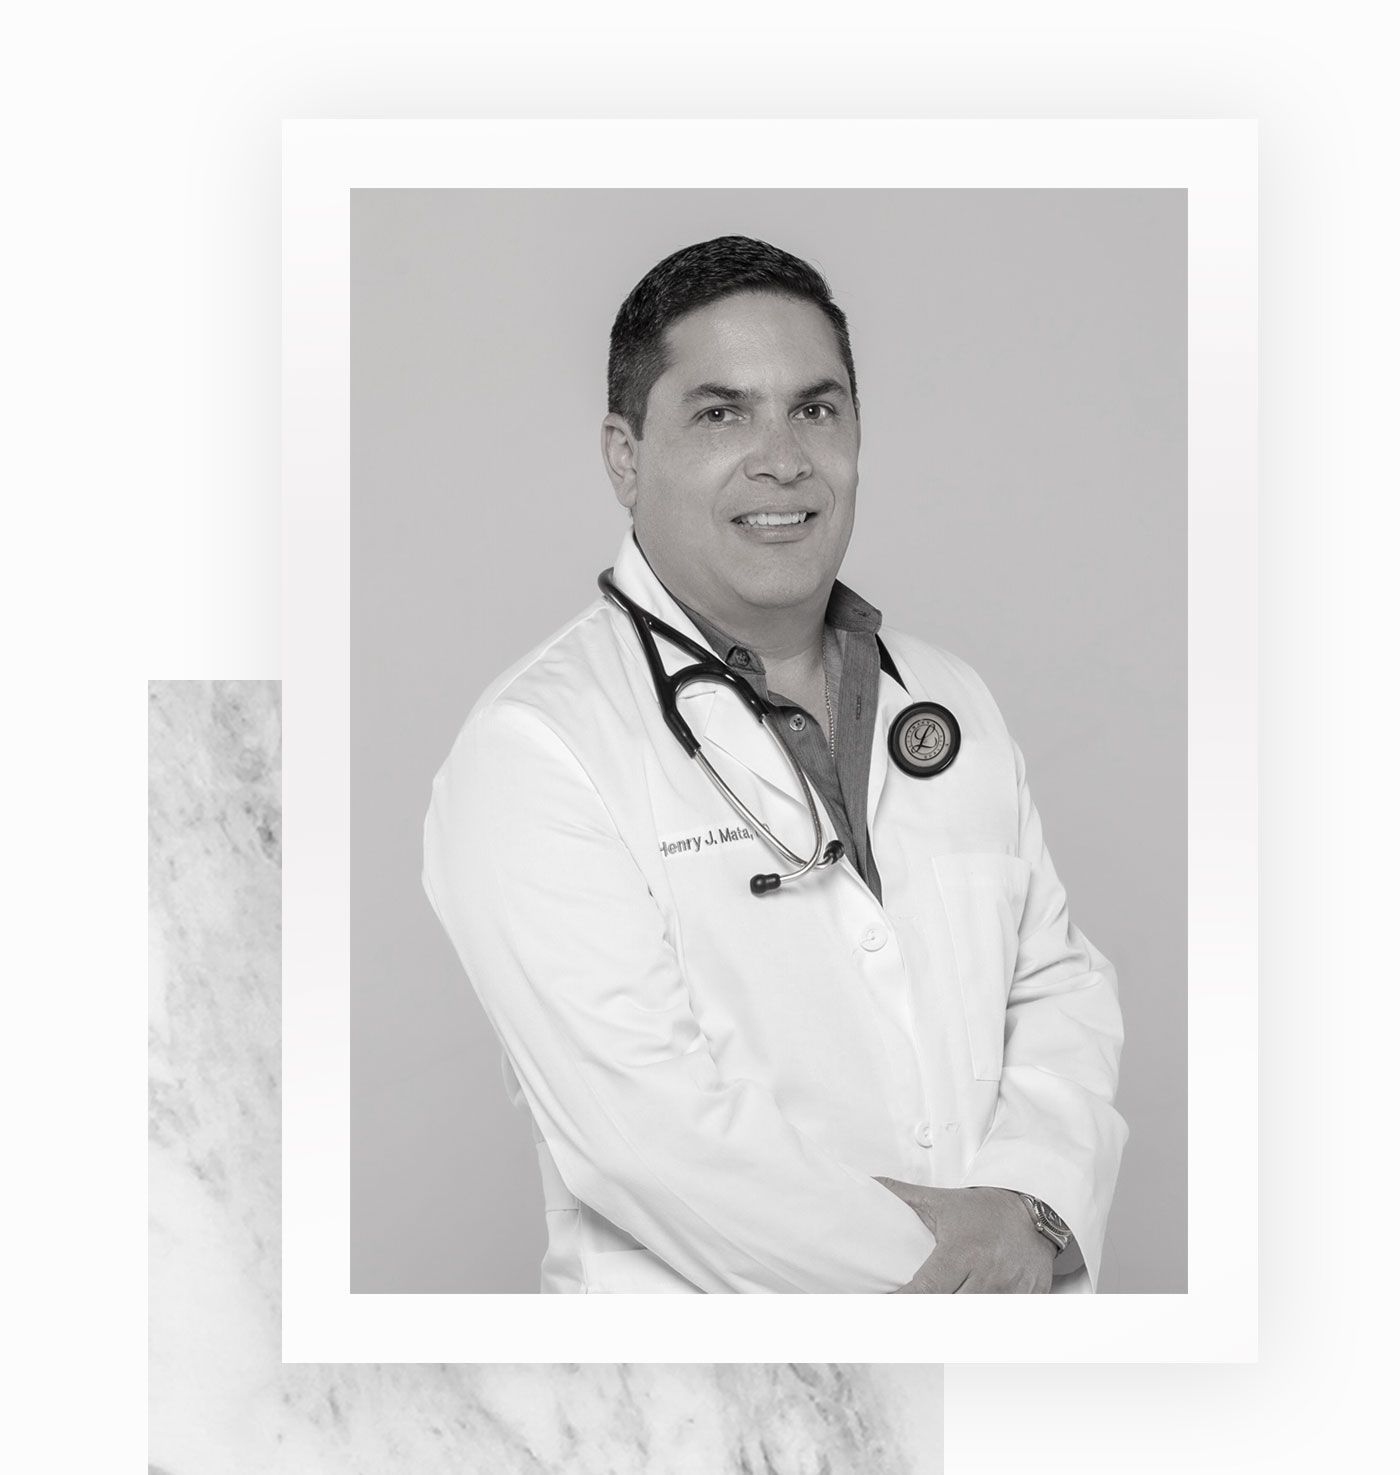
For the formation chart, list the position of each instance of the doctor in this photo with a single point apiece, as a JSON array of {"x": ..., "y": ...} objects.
[{"x": 895, "y": 1073}]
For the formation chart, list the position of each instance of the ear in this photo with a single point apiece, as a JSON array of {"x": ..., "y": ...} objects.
[{"x": 620, "y": 456}]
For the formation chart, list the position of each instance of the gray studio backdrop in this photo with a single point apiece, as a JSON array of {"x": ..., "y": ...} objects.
[{"x": 1021, "y": 357}]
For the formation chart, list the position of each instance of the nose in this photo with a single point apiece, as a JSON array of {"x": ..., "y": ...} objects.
[{"x": 777, "y": 452}]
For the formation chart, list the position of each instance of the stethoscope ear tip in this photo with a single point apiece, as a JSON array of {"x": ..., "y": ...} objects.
[{"x": 761, "y": 885}]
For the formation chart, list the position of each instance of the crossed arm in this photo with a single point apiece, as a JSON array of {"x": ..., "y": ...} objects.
[
  {"x": 618, "y": 1075},
  {"x": 1055, "y": 1134}
]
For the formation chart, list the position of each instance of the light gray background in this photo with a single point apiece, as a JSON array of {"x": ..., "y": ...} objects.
[{"x": 1021, "y": 366}]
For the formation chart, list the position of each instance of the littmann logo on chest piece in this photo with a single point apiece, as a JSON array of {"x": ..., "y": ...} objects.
[{"x": 924, "y": 739}]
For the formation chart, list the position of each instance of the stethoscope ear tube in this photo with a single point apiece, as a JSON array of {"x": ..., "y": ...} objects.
[
  {"x": 706, "y": 667},
  {"x": 763, "y": 884},
  {"x": 768, "y": 881},
  {"x": 924, "y": 739}
]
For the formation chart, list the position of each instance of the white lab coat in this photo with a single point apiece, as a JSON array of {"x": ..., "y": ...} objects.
[{"x": 715, "y": 1078}]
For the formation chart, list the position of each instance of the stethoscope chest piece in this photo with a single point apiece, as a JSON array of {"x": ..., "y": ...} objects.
[{"x": 924, "y": 739}]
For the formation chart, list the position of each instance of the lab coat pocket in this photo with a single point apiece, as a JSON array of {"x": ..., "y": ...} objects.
[{"x": 983, "y": 898}]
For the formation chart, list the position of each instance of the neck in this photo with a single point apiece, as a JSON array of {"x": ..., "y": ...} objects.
[
  {"x": 782, "y": 637},
  {"x": 787, "y": 635}
]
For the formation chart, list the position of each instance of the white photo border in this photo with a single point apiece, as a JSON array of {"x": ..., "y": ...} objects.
[{"x": 1216, "y": 162}]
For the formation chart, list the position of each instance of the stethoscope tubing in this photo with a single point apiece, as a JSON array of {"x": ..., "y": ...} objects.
[
  {"x": 743, "y": 809},
  {"x": 706, "y": 667}
]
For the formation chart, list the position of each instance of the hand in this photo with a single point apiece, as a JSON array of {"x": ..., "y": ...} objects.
[{"x": 986, "y": 1240}]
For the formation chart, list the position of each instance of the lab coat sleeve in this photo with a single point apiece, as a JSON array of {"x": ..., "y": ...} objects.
[
  {"x": 567, "y": 950},
  {"x": 1055, "y": 1134}
]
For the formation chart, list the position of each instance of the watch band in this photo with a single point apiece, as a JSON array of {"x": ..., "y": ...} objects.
[{"x": 1048, "y": 1222}]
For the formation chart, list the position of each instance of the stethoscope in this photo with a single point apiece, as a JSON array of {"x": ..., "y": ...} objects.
[{"x": 924, "y": 738}]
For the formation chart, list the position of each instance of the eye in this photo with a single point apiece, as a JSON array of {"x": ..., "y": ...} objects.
[
  {"x": 827, "y": 411},
  {"x": 716, "y": 410}
]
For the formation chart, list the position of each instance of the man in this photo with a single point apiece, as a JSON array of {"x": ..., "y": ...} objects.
[{"x": 894, "y": 1072}]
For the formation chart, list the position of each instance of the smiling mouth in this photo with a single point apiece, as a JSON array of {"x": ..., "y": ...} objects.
[{"x": 772, "y": 519}]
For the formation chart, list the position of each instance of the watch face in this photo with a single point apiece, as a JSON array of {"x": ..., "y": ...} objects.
[
  {"x": 924, "y": 739},
  {"x": 1048, "y": 1222},
  {"x": 1053, "y": 1219}
]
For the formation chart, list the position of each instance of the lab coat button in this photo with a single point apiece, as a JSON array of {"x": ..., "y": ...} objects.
[
  {"x": 873, "y": 939},
  {"x": 923, "y": 1134}
]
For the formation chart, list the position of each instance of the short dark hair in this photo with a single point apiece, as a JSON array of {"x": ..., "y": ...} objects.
[{"x": 694, "y": 277}]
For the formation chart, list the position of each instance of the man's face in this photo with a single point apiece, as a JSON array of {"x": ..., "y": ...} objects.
[{"x": 752, "y": 422}]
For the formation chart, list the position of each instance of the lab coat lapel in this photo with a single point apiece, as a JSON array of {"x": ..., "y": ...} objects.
[
  {"x": 733, "y": 729},
  {"x": 720, "y": 719},
  {"x": 893, "y": 698}
]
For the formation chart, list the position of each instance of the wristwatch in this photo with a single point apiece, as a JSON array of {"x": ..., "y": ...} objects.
[{"x": 1048, "y": 1222}]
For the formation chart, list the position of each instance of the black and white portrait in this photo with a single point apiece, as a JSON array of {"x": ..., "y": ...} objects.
[{"x": 767, "y": 981}]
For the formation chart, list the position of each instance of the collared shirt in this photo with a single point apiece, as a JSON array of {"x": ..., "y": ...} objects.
[{"x": 851, "y": 657}]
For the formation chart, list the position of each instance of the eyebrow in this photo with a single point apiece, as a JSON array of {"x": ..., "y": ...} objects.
[{"x": 746, "y": 396}]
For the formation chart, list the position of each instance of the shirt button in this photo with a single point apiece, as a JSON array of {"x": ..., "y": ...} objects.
[
  {"x": 923, "y": 1134},
  {"x": 873, "y": 939},
  {"x": 797, "y": 722},
  {"x": 740, "y": 658}
]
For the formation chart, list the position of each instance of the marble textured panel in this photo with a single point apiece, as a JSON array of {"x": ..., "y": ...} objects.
[{"x": 220, "y": 1398}]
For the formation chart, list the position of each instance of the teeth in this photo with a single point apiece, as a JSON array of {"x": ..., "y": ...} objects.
[{"x": 773, "y": 519}]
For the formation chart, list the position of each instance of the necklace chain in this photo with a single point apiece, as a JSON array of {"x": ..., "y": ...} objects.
[{"x": 826, "y": 694}]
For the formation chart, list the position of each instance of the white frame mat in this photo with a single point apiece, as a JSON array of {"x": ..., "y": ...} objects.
[{"x": 1216, "y": 1320}]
